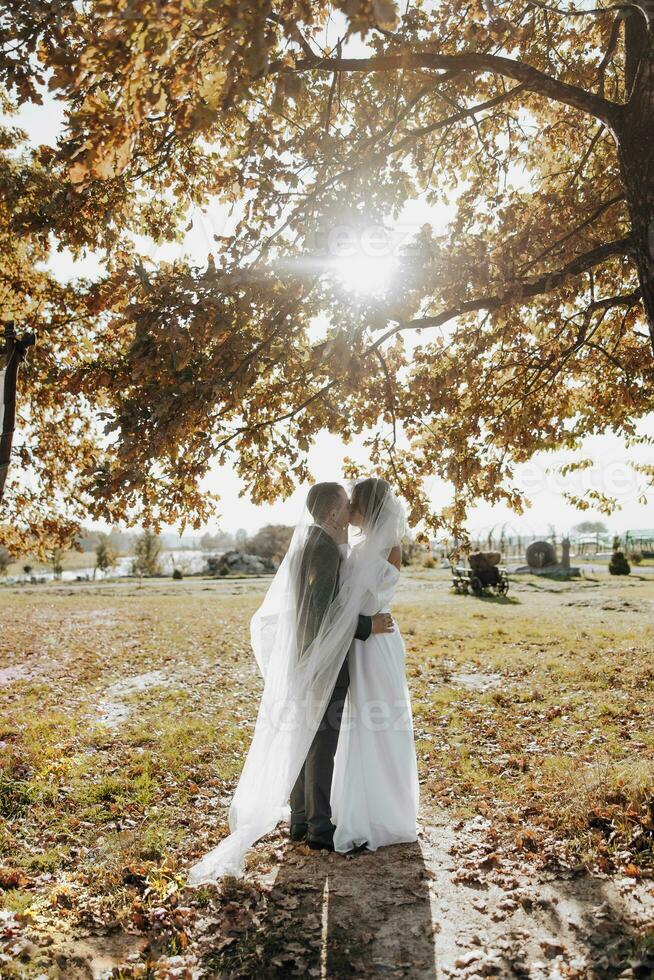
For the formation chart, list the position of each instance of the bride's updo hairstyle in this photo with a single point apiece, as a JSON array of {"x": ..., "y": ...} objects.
[{"x": 368, "y": 497}]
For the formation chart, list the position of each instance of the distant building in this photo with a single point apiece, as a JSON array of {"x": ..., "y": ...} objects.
[
  {"x": 642, "y": 540},
  {"x": 591, "y": 544}
]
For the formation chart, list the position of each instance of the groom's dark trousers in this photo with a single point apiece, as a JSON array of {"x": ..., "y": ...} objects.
[{"x": 319, "y": 580}]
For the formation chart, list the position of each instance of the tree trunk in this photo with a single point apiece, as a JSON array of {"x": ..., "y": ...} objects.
[
  {"x": 14, "y": 354},
  {"x": 636, "y": 154}
]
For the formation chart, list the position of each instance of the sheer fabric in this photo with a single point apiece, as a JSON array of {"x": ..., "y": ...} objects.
[
  {"x": 375, "y": 792},
  {"x": 300, "y": 637}
]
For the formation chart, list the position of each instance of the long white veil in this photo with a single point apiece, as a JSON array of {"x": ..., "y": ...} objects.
[{"x": 299, "y": 677}]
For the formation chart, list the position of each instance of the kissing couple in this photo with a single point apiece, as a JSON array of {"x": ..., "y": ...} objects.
[{"x": 334, "y": 729}]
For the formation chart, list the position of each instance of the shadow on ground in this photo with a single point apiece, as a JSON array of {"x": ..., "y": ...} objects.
[
  {"x": 439, "y": 908},
  {"x": 326, "y": 915}
]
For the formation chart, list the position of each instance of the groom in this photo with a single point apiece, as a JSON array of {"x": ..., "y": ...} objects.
[{"x": 326, "y": 545}]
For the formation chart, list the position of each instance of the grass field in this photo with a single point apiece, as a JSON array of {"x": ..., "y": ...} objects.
[{"x": 125, "y": 714}]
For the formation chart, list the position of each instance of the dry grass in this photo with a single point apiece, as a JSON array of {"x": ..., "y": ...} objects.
[
  {"x": 560, "y": 743},
  {"x": 99, "y": 821}
]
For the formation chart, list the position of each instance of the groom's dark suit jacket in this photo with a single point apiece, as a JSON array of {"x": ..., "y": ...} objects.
[{"x": 318, "y": 583}]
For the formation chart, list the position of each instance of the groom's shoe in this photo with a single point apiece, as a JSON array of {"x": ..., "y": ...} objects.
[
  {"x": 299, "y": 831},
  {"x": 320, "y": 844}
]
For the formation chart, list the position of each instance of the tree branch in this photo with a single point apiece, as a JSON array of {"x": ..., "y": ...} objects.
[
  {"x": 294, "y": 32},
  {"x": 520, "y": 289},
  {"x": 391, "y": 393},
  {"x": 635, "y": 44},
  {"x": 279, "y": 418},
  {"x": 625, "y": 299},
  {"x": 584, "y": 224},
  {"x": 532, "y": 78},
  {"x": 419, "y": 132},
  {"x": 610, "y": 51},
  {"x": 514, "y": 292},
  {"x": 594, "y": 12},
  {"x": 586, "y": 157}
]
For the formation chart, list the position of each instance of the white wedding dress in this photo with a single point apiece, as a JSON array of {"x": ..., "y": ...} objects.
[{"x": 375, "y": 790}]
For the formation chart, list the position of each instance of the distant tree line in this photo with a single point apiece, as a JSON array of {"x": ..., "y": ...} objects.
[
  {"x": 218, "y": 541},
  {"x": 271, "y": 543}
]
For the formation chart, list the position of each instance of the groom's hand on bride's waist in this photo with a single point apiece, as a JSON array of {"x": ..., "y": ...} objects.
[{"x": 382, "y": 623}]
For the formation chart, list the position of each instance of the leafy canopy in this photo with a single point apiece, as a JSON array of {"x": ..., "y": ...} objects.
[{"x": 522, "y": 324}]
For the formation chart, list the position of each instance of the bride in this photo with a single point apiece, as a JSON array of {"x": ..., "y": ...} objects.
[{"x": 374, "y": 790}]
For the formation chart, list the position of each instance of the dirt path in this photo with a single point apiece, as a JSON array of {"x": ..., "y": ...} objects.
[{"x": 451, "y": 905}]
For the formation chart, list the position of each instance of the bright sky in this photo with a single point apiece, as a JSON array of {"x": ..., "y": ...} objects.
[{"x": 610, "y": 473}]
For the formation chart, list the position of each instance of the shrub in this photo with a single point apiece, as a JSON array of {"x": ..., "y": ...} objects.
[
  {"x": 105, "y": 554},
  {"x": 271, "y": 541},
  {"x": 411, "y": 550},
  {"x": 177, "y": 573},
  {"x": 213, "y": 564},
  {"x": 55, "y": 557},
  {"x": 147, "y": 551},
  {"x": 619, "y": 564}
]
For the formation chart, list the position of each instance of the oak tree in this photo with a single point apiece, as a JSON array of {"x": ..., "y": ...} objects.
[{"x": 524, "y": 324}]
